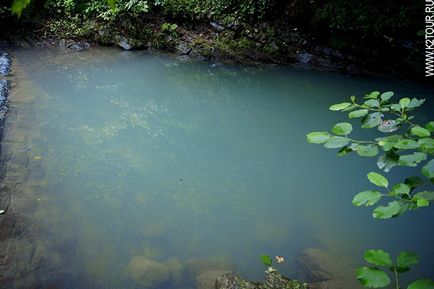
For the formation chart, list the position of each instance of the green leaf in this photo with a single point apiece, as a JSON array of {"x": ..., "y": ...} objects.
[
  {"x": 378, "y": 179},
  {"x": 427, "y": 195},
  {"x": 342, "y": 128},
  {"x": 372, "y": 120},
  {"x": 317, "y": 137},
  {"x": 422, "y": 284},
  {"x": 386, "y": 212},
  {"x": 395, "y": 107},
  {"x": 372, "y": 103},
  {"x": 378, "y": 257},
  {"x": 421, "y": 202},
  {"x": 405, "y": 260},
  {"x": 404, "y": 102},
  {"x": 339, "y": 106},
  {"x": 358, "y": 113},
  {"x": 430, "y": 126},
  {"x": 372, "y": 277},
  {"x": 420, "y": 131},
  {"x": 373, "y": 95},
  {"x": 367, "y": 150},
  {"x": 18, "y": 6},
  {"x": 388, "y": 142},
  {"x": 412, "y": 160},
  {"x": 336, "y": 142},
  {"x": 111, "y": 3},
  {"x": 387, "y": 95},
  {"x": 266, "y": 260},
  {"x": 367, "y": 198},
  {"x": 428, "y": 169},
  {"x": 388, "y": 161},
  {"x": 406, "y": 144},
  {"x": 426, "y": 145},
  {"x": 350, "y": 108},
  {"x": 400, "y": 189},
  {"x": 353, "y": 98},
  {"x": 415, "y": 103}
]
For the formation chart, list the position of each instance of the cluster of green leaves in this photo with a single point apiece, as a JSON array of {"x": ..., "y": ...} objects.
[
  {"x": 169, "y": 27},
  {"x": 374, "y": 277},
  {"x": 104, "y": 9},
  {"x": 242, "y": 10},
  {"x": 405, "y": 195},
  {"x": 394, "y": 147},
  {"x": 412, "y": 147},
  {"x": 108, "y": 11}
]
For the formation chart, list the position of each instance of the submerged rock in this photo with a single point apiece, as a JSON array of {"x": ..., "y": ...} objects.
[
  {"x": 324, "y": 270},
  {"x": 148, "y": 273},
  {"x": 196, "y": 267},
  {"x": 207, "y": 280}
]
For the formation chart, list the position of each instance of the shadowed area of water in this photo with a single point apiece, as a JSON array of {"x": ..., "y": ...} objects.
[{"x": 131, "y": 170}]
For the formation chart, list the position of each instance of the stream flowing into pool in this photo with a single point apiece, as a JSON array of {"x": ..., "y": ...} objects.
[{"x": 140, "y": 170}]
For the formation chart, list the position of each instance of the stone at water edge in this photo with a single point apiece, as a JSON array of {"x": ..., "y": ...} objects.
[
  {"x": 207, "y": 280},
  {"x": 5, "y": 63},
  {"x": 125, "y": 44},
  {"x": 273, "y": 280},
  {"x": 232, "y": 281}
]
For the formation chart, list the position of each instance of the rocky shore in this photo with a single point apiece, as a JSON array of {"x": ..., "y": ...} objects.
[{"x": 222, "y": 43}]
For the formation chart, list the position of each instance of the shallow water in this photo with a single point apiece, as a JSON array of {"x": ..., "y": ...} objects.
[{"x": 130, "y": 156}]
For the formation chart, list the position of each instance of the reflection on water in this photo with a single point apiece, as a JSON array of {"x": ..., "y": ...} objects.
[{"x": 132, "y": 170}]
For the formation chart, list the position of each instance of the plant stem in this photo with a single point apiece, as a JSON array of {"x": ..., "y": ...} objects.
[{"x": 396, "y": 279}]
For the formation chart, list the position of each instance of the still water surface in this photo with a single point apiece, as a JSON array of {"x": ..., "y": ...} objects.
[{"x": 142, "y": 161}]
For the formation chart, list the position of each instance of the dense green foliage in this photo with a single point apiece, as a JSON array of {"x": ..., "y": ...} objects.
[
  {"x": 411, "y": 145},
  {"x": 368, "y": 19},
  {"x": 390, "y": 31}
]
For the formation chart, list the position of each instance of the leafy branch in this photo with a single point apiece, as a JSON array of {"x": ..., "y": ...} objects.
[{"x": 411, "y": 148}]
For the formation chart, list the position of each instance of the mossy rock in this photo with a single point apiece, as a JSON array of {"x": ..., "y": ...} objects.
[{"x": 272, "y": 280}]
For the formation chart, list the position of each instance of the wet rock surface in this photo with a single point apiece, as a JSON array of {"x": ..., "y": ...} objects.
[
  {"x": 5, "y": 63},
  {"x": 5, "y": 68},
  {"x": 272, "y": 280},
  {"x": 4, "y": 91},
  {"x": 125, "y": 44},
  {"x": 79, "y": 46},
  {"x": 207, "y": 280}
]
